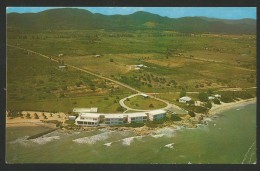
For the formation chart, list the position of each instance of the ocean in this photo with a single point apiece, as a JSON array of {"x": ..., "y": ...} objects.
[{"x": 229, "y": 138}]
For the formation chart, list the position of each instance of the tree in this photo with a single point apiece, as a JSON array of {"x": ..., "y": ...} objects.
[
  {"x": 191, "y": 113},
  {"x": 216, "y": 101},
  {"x": 208, "y": 105},
  {"x": 182, "y": 93},
  {"x": 191, "y": 102},
  {"x": 111, "y": 60},
  {"x": 28, "y": 116},
  {"x": 203, "y": 96},
  {"x": 151, "y": 105},
  {"x": 175, "y": 117},
  {"x": 210, "y": 91}
]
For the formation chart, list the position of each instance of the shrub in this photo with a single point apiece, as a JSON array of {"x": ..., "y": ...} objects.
[
  {"x": 216, "y": 101},
  {"x": 175, "y": 117},
  {"x": 191, "y": 113},
  {"x": 120, "y": 109},
  {"x": 208, "y": 105},
  {"x": 203, "y": 97},
  {"x": 28, "y": 116},
  {"x": 182, "y": 93},
  {"x": 36, "y": 116}
]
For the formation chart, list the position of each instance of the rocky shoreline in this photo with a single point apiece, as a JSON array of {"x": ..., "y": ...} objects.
[{"x": 186, "y": 122}]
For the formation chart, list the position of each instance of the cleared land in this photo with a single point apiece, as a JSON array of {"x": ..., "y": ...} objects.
[{"x": 175, "y": 62}]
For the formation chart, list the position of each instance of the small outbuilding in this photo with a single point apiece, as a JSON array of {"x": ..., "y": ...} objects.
[
  {"x": 184, "y": 99},
  {"x": 218, "y": 96}
]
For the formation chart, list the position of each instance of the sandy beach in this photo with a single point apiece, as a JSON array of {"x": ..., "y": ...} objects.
[
  {"x": 225, "y": 106},
  {"x": 19, "y": 121}
]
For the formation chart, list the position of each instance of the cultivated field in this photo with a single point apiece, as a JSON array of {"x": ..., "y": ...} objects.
[{"x": 174, "y": 62}]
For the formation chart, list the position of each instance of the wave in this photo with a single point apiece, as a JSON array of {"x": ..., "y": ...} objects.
[
  {"x": 93, "y": 139},
  {"x": 158, "y": 135},
  {"x": 40, "y": 140},
  {"x": 44, "y": 139},
  {"x": 127, "y": 141},
  {"x": 22, "y": 141},
  {"x": 108, "y": 144},
  {"x": 169, "y": 146},
  {"x": 168, "y": 132}
]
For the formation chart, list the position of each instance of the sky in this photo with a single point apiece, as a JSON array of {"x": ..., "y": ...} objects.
[{"x": 171, "y": 12}]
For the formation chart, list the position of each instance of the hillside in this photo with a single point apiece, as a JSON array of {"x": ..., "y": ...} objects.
[{"x": 71, "y": 18}]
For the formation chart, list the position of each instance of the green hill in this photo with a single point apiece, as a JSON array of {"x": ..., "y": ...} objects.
[{"x": 71, "y": 18}]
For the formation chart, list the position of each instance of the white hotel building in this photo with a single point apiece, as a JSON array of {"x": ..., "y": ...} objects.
[
  {"x": 114, "y": 119},
  {"x": 88, "y": 119},
  {"x": 137, "y": 117},
  {"x": 93, "y": 119},
  {"x": 156, "y": 114}
]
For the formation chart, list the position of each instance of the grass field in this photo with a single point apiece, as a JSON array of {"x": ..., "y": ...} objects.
[
  {"x": 174, "y": 63},
  {"x": 145, "y": 103}
]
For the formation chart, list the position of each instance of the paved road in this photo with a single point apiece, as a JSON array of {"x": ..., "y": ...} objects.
[{"x": 102, "y": 77}]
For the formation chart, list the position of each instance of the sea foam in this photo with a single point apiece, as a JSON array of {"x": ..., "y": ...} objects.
[
  {"x": 169, "y": 146},
  {"x": 44, "y": 139},
  {"x": 93, "y": 139},
  {"x": 127, "y": 141}
]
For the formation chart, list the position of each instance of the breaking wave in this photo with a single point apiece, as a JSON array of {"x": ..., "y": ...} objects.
[
  {"x": 93, "y": 139},
  {"x": 22, "y": 141},
  {"x": 40, "y": 140},
  {"x": 127, "y": 141},
  {"x": 169, "y": 146},
  {"x": 44, "y": 139},
  {"x": 108, "y": 144},
  {"x": 157, "y": 135},
  {"x": 168, "y": 132}
]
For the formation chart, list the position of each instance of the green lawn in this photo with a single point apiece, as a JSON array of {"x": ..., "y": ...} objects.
[{"x": 145, "y": 103}]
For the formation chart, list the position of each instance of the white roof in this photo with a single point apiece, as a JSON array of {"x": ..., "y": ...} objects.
[
  {"x": 217, "y": 95},
  {"x": 156, "y": 112},
  {"x": 115, "y": 115},
  {"x": 89, "y": 115},
  {"x": 81, "y": 110},
  {"x": 185, "y": 98},
  {"x": 137, "y": 114}
]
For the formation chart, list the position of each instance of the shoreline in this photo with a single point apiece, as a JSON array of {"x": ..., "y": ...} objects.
[{"x": 216, "y": 109}]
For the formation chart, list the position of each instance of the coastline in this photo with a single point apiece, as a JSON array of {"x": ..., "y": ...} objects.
[
  {"x": 216, "y": 109},
  {"x": 226, "y": 106}
]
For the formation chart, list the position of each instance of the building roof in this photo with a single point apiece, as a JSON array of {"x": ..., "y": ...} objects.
[
  {"x": 87, "y": 110},
  {"x": 185, "y": 98},
  {"x": 89, "y": 115},
  {"x": 115, "y": 115},
  {"x": 137, "y": 114},
  {"x": 217, "y": 95},
  {"x": 211, "y": 97},
  {"x": 156, "y": 112}
]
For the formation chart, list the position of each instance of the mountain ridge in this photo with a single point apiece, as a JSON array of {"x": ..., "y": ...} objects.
[{"x": 73, "y": 18}]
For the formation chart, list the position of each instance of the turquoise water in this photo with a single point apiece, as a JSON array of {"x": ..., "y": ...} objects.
[{"x": 230, "y": 138}]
